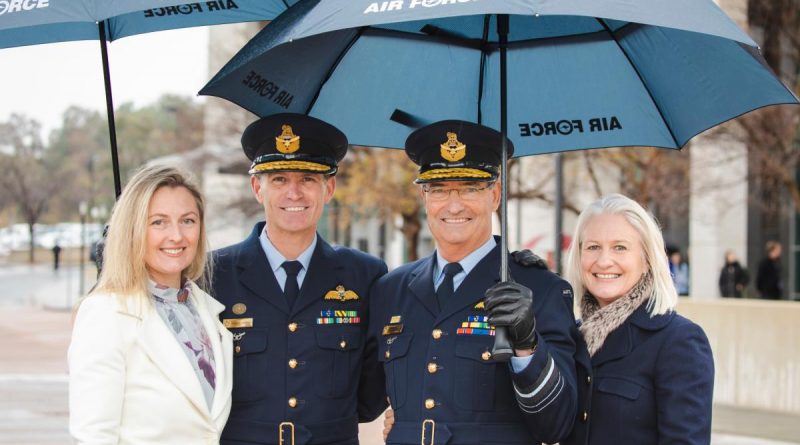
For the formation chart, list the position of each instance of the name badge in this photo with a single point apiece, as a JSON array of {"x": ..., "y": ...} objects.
[
  {"x": 232, "y": 323},
  {"x": 392, "y": 329}
]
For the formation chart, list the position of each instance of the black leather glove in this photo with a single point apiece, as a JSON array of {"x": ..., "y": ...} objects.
[
  {"x": 529, "y": 259},
  {"x": 510, "y": 304}
]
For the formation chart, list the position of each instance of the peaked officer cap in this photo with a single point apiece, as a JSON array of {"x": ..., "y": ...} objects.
[
  {"x": 456, "y": 150},
  {"x": 292, "y": 142}
]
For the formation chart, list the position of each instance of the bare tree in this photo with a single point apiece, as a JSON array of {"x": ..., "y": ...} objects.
[
  {"x": 30, "y": 179},
  {"x": 376, "y": 182}
]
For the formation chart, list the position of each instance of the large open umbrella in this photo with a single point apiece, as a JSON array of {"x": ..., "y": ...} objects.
[
  {"x": 32, "y": 22},
  {"x": 580, "y": 74}
]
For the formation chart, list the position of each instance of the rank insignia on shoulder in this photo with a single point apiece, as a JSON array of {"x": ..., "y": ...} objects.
[
  {"x": 232, "y": 323},
  {"x": 392, "y": 329},
  {"x": 480, "y": 306},
  {"x": 340, "y": 294}
]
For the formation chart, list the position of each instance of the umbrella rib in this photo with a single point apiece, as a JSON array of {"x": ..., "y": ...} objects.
[
  {"x": 333, "y": 68},
  {"x": 639, "y": 75}
]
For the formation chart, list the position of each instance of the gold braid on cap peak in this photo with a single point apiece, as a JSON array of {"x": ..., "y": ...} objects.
[
  {"x": 290, "y": 165},
  {"x": 446, "y": 173}
]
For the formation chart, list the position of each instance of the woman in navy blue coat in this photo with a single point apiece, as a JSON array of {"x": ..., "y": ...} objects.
[{"x": 653, "y": 373}]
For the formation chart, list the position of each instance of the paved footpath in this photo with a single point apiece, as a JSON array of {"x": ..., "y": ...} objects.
[{"x": 34, "y": 336}]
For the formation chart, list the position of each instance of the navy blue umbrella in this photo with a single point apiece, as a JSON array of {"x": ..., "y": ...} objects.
[
  {"x": 32, "y": 22},
  {"x": 552, "y": 75}
]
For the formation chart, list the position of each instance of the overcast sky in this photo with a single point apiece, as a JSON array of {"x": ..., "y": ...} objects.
[{"x": 41, "y": 81}]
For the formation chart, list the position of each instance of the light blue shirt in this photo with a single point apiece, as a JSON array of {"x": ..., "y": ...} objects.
[
  {"x": 467, "y": 263},
  {"x": 276, "y": 259}
]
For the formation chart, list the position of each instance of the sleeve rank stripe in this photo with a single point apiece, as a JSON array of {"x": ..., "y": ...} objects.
[
  {"x": 544, "y": 378},
  {"x": 546, "y": 401}
]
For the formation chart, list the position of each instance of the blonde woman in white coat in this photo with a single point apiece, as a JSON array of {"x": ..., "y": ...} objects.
[{"x": 149, "y": 361}]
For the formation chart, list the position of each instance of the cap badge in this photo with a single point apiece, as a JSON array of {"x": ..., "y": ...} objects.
[
  {"x": 453, "y": 150},
  {"x": 287, "y": 142}
]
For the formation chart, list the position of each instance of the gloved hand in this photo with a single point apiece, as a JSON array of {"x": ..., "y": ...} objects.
[
  {"x": 529, "y": 259},
  {"x": 510, "y": 304}
]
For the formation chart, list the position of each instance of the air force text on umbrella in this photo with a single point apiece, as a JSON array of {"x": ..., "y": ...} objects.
[
  {"x": 397, "y": 5},
  {"x": 191, "y": 8},
  {"x": 21, "y": 5},
  {"x": 565, "y": 127},
  {"x": 269, "y": 89}
]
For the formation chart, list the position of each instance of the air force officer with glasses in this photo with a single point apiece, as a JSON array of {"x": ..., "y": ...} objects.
[{"x": 433, "y": 320}]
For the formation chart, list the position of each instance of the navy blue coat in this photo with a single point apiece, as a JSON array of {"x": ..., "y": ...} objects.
[
  {"x": 444, "y": 382},
  {"x": 653, "y": 384},
  {"x": 291, "y": 366}
]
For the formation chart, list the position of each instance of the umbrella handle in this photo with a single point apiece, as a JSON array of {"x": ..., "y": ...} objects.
[{"x": 501, "y": 351}]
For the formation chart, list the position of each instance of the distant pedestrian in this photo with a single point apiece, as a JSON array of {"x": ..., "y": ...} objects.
[
  {"x": 768, "y": 278},
  {"x": 733, "y": 278},
  {"x": 56, "y": 256},
  {"x": 680, "y": 272}
]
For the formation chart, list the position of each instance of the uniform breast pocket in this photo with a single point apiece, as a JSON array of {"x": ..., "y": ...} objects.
[
  {"x": 624, "y": 399},
  {"x": 393, "y": 352},
  {"x": 338, "y": 362},
  {"x": 475, "y": 375},
  {"x": 249, "y": 365}
]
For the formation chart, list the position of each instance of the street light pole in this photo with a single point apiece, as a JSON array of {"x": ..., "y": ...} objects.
[{"x": 82, "y": 210}]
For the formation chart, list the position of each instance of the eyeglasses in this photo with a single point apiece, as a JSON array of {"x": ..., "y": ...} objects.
[{"x": 465, "y": 193}]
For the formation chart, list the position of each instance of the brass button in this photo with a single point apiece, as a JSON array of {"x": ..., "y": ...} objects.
[
  {"x": 387, "y": 354},
  {"x": 343, "y": 344},
  {"x": 588, "y": 380},
  {"x": 585, "y": 416},
  {"x": 437, "y": 334},
  {"x": 432, "y": 368},
  {"x": 486, "y": 356},
  {"x": 292, "y": 363},
  {"x": 292, "y": 327},
  {"x": 292, "y": 402},
  {"x": 237, "y": 349},
  {"x": 430, "y": 403}
]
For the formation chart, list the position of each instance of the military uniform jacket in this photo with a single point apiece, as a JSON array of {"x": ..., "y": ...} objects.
[
  {"x": 444, "y": 385},
  {"x": 303, "y": 365},
  {"x": 653, "y": 384}
]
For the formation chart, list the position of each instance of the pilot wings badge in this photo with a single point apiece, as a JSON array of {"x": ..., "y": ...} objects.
[{"x": 340, "y": 294}]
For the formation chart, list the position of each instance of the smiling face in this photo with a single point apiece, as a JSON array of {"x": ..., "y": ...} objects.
[
  {"x": 461, "y": 225},
  {"x": 612, "y": 257},
  {"x": 293, "y": 201},
  {"x": 173, "y": 231}
]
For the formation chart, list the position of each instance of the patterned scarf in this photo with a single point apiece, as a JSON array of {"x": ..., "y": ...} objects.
[{"x": 599, "y": 322}]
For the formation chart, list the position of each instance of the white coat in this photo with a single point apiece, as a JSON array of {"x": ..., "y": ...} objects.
[{"x": 130, "y": 381}]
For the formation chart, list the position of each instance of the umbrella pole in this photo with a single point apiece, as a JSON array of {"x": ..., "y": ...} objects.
[
  {"x": 502, "y": 347},
  {"x": 112, "y": 129}
]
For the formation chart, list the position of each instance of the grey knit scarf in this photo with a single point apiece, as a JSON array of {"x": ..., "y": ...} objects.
[{"x": 599, "y": 322}]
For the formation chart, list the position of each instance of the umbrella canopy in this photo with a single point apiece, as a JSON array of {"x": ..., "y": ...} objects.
[
  {"x": 34, "y": 22},
  {"x": 581, "y": 74},
  {"x": 31, "y": 22},
  {"x": 553, "y": 76}
]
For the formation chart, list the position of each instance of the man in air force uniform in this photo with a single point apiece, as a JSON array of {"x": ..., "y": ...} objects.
[
  {"x": 433, "y": 320},
  {"x": 297, "y": 307}
]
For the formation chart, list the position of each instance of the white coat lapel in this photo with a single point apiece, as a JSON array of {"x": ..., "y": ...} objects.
[
  {"x": 222, "y": 343},
  {"x": 159, "y": 343}
]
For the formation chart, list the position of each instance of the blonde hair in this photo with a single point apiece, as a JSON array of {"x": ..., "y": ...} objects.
[
  {"x": 664, "y": 297},
  {"x": 124, "y": 271}
]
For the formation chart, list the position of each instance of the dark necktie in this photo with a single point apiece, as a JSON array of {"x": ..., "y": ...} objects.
[
  {"x": 446, "y": 289},
  {"x": 291, "y": 289}
]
